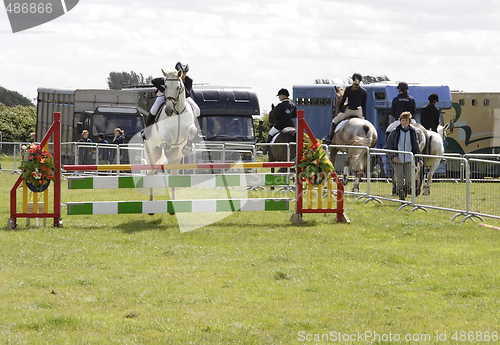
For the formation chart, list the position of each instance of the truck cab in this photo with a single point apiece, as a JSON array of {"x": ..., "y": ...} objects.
[{"x": 226, "y": 121}]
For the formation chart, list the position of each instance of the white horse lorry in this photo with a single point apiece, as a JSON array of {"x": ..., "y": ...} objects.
[{"x": 226, "y": 130}]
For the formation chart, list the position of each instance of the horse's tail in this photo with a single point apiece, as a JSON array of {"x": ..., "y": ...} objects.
[
  {"x": 359, "y": 141},
  {"x": 356, "y": 154}
]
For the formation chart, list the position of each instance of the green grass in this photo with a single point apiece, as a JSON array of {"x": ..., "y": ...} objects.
[{"x": 251, "y": 278}]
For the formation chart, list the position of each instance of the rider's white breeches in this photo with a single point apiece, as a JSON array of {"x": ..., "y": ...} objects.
[
  {"x": 160, "y": 99},
  {"x": 273, "y": 131},
  {"x": 348, "y": 113}
]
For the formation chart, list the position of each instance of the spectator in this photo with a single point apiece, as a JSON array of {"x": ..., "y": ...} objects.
[
  {"x": 118, "y": 140},
  {"x": 32, "y": 137},
  {"x": 403, "y": 138},
  {"x": 84, "y": 148},
  {"x": 103, "y": 151}
]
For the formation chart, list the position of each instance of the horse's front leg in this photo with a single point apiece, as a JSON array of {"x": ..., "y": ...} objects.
[
  {"x": 359, "y": 176},
  {"x": 345, "y": 177},
  {"x": 188, "y": 148}
]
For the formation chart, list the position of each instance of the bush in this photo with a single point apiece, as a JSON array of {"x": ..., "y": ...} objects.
[{"x": 16, "y": 123}]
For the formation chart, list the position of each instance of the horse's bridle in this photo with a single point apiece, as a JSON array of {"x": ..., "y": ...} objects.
[{"x": 175, "y": 99}]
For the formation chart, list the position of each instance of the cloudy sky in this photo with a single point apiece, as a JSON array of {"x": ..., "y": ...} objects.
[{"x": 264, "y": 44}]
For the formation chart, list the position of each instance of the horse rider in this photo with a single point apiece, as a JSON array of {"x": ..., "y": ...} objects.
[
  {"x": 356, "y": 105},
  {"x": 403, "y": 102},
  {"x": 284, "y": 113},
  {"x": 430, "y": 115},
  {"x": 159, "y": 83}
]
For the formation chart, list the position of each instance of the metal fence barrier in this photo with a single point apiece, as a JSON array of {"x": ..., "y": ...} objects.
[{"x": 469, "y": 186}]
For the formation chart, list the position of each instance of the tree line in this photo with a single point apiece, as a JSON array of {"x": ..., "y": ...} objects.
[{"x": 17, "y": 116}]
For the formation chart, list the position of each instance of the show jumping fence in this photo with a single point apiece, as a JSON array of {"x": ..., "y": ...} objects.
[{"x": 304, "y": 190}]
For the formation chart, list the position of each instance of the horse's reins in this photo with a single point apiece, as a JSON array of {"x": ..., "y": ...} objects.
[{"x": 174, "y": 101}]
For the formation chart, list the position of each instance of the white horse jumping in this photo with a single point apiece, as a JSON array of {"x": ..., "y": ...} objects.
[{"x": 174, "y": 127}]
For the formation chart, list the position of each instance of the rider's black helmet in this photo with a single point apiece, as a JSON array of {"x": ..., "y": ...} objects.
[
  {"x": 433, "y": 97},
  {"x": 283, "y": 92},
  {"x": 403, "y": 86},
  {"x": 182, "y": 66}
]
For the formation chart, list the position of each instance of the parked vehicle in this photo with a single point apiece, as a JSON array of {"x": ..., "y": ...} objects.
[
  {"x": 476, "y": 117},
  {"x": 98, "y": 111},
  {"x": 318, "y": 103}
]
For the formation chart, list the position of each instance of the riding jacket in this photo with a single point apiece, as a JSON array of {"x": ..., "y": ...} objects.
[
  {"x": 284, "y": 114},
  {"x": 429, "y": 117},
  {"x": 355, "y": 99},
  {"x": 402, "y": 103}
]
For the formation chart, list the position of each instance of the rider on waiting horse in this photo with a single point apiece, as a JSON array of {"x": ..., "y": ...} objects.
[
  {"x": 356, "y": 104},
  {"x": 284, "y": 113},
  {"x": 159, "y": 83}
]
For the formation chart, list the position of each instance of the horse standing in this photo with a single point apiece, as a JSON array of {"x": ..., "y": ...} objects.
[
  {"x": 436, "y": 148},
  {"x": 355, "y": 132},
  {"x": 174, "y": 127},
  {"x": 280, "y": 153}
]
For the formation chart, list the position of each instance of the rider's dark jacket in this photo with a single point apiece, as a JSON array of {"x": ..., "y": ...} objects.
[
  {"x": 429, "y": 117},
  {"x": 402, "y": 103},
  {"x": 355, "y": 99},
  {"x": 284, "y": 114},
  {"x": 159, "y": 83}
]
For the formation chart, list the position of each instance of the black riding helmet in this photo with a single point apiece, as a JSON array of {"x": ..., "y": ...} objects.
[
  {"x": 403, "y": 86},
  {"x": 433, "y": 97},
  {"x": 182, "y": 66}
]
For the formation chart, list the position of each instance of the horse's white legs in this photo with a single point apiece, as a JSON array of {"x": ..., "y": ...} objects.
[
  {"x": 355, "y": 188},
  {"x": 345, "y": 178},
  {"x": 428, "y": 183}
]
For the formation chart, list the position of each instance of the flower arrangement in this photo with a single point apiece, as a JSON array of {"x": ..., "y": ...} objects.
[
  {"x": 314, "y": 162},
  {"x": 38, "y": 167}
]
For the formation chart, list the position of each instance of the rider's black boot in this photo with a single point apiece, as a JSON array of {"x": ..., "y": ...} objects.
[
  {"x": 328, "y": 140},
  {"x": 150, "y": 119},
  {"x": 266, "y": 148}
]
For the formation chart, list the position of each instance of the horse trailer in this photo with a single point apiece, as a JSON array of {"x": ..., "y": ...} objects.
[
  {"x": 318, "y": 103},
  {"x": 476, "y": 132}
]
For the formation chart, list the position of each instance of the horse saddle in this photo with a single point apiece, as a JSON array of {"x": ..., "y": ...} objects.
[{"x": 341, "y": 124}]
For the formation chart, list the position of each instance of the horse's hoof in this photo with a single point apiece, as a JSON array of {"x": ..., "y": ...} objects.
[
  {"x": 187, "y": 150},
  {"x": 166, "y": 147},
  {"x": 355, "y": 189},
  {"x": 345, "y": 180},
  {"x": 427, "y": 190}
]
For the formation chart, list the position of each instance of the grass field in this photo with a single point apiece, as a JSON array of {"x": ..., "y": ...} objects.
[{"x": 250, "y": 278}]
